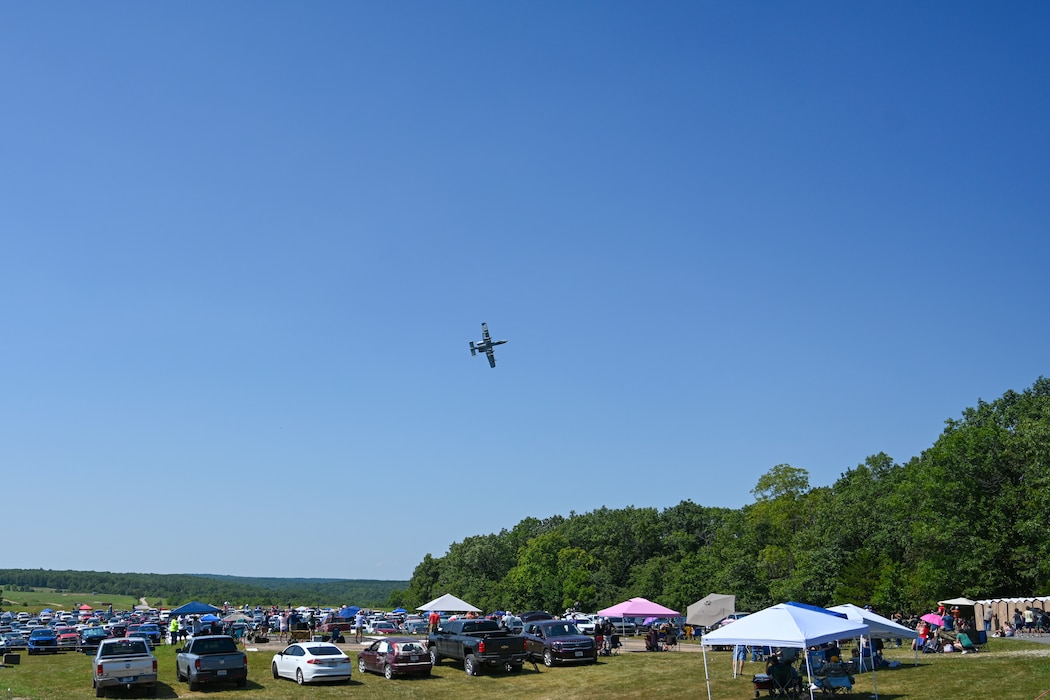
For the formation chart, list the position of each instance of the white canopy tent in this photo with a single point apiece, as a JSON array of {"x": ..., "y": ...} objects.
[
  {"x": 449, "y": 603},
  {"x": 879, "y": 628},
  {"x": 710, "y": 609},
  {"x": 784, "y": 625}
]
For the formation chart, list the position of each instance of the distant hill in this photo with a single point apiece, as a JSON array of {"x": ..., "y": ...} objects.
[{"x": 175, "y": 589}]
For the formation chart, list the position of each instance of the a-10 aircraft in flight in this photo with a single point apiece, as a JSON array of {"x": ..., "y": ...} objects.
[{"x": 486, "y": 345}]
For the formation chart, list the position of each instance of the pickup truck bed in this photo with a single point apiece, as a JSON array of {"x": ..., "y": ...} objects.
[
  {"x": 211, "y": 659},
  {"x": 124, "y": 663},
  {"x": 477, "y": 643}
]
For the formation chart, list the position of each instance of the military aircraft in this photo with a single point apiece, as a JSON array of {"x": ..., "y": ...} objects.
[{"x": 486, "y": 345}]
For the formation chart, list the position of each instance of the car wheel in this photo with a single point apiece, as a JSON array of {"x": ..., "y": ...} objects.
[
  {"x": 151, "y": 692},
  {"x": 434, "y": 658},
  {"x": 469, "y": 665},
  {"x": 194, "y": 683},
  {"x": 242, "y": 682},
  {"x": 100, "y": 692},
  {"x": 299, "y": 676},
  {"x": 273, "y": 668},
  {"x": 388, "y": 671},
  {"x": 548, "y": 658},
  {"x": 361, "y": 664}
]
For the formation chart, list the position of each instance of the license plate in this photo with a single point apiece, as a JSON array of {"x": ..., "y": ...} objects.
[
  {"x": 415, "y": 657},
  {"x": 221, "y": 673},
  {"x": 127, "y": 679},
  {"x": 579, "y": 653}
]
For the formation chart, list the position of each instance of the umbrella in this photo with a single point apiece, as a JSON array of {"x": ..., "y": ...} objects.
[
  {"x": 933, "y": 619},
  {"x": 236, "y": 617},
  {"x": 348, "y": 611},
  {"x": 958, "y": 601},
  {"x": 209, "y": 618},
  {"x": 85, "y": 606},
  {"x": 399, "y": 610}
]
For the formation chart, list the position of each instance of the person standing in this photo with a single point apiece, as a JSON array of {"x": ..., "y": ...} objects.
[
  {"x": 284, "y": 626},
  {"x": 359, "y": 626},
  {"x": 739, "y": 657},
  {"x": 433, "y": 620},
  {"x": 173, "y": 630},
  {"x": 987, "y": 617}
]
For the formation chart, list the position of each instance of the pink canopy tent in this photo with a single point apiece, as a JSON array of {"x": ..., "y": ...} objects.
[{"x": 638, "y": 607}]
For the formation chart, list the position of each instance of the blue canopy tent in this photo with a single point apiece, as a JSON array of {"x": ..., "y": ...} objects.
[{"x": 194, "y": 608}]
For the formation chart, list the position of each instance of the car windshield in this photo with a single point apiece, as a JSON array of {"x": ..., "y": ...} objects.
[
  {"x": 325, "y": 650},
  {"x": 562, "y": 630}
]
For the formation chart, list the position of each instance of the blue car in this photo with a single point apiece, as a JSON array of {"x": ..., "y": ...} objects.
[
  {"x": 150, "y": 631},
  {"x": 43, "y": 641}
]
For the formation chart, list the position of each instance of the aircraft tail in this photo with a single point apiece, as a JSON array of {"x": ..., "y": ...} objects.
[{"x": 473, "y": 350}]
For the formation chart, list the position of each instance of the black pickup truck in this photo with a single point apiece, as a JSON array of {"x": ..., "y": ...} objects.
[{"x": 477, "y": 643}]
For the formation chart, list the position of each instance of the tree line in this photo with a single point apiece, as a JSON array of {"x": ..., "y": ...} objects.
[
  {"x": 176, "y": 589},
  {"x": 966, "y": 517}
]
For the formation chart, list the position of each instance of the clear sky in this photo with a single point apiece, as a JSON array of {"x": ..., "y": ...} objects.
[{"x": 245, "y": 245}]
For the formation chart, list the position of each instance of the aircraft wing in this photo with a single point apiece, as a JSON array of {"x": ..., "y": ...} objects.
[
  {"x": 485, "y": 332},
  {"x": 491, "y": 354}
]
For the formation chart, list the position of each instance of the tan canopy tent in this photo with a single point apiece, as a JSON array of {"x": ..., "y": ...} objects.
[{"x": 710, "y": 609}]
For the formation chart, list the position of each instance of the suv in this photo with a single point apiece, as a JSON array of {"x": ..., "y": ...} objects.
[{"x": 623, "y": 626}]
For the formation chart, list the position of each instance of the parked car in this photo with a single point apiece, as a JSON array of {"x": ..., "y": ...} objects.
[
  {"x": 396, "y": 656},
  {"x": 558, "y": 642},
  {"x": 535, "y": 615},
  {"x": 415, "y": 627},
  {"x": 68, "y": 637},
  {"x": 308, "y": 662},
  {"x": 149, "y": 630},
  {"x": 42, "y": 640},
  {"x": 513, "y": 624},
  {"x": 12, "y": 641},
  {"x": 382, "y": 627},
  {"x": 90, "y": 638},
  {"x": 623, "y": 626}
]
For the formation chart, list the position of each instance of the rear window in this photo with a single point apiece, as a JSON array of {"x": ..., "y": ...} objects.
[
  {"x": 125, "y": 647},
  {"x": 325, "y": 650},
  {"x": 217, "y": 645}
]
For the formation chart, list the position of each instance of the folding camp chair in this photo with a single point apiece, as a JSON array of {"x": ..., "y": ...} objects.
[{"x": 836, "y": 680}]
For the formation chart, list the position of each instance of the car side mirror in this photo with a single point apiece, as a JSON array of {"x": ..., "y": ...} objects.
[{"x": 179, "y": 650}]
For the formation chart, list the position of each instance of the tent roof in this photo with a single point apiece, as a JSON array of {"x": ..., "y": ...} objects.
[
  {"x": 639, "y": 607},
  {"x": 710, "y": 609},
  {"x": 880, "y": 627},
  {"x": 958, "y": 601},
  {"x": 449, "y": 603},
  {"x": 786, "y": 626},
  {"x": 194, "y": 608}
]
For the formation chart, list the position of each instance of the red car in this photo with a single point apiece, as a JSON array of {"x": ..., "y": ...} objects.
[
  {"x": 68, "y": 637},
  {"x": 395, "y": 656}
]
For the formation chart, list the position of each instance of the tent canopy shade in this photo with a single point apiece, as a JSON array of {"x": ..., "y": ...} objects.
[
  {"x": 958, "y": 601},
  {"x": 638, "y": 607},
  {"x": 880, "y": 627},
  {"x": 710, "y": 609},
  {"x": 786, "y": 626},
  {"x": 194, "y": 608},
  {"x": 450, "y": 603}
]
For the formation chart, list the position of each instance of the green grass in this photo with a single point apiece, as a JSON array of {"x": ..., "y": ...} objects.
[
  {"x": 39, "y": 598},
  {"x": 1006, "y": 670}
]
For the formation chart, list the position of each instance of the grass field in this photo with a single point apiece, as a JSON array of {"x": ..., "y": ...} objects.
[
  {"x": 1006, "y": 670},
  {"x": 40, "y": 598}
]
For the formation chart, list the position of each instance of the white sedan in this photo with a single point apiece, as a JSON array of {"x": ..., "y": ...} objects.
[{"x": 308, "y": 662}]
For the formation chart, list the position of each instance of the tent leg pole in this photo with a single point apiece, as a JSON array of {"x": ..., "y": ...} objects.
[{"x": 707, "y": 676}]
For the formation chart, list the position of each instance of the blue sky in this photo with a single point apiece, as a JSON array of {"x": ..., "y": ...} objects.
[{"x": 245, "y": 245}]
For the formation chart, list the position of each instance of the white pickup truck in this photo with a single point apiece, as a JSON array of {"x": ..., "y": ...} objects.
[{"x": 124, "y": 662}]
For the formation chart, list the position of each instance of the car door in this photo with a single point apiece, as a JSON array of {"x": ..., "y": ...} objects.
[
  {"x": 533, "y": 640},
  {"x": 368, "y": 656},
  {"x": 382, "y": 648},
  {"x": 289, "y": 661}
]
